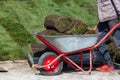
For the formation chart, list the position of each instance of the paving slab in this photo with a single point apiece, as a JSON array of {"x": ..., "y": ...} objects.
[{"x": 20, "y": 70}]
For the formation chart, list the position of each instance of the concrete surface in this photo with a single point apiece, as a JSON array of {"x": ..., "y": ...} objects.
[{"x": 20, "y": 70}]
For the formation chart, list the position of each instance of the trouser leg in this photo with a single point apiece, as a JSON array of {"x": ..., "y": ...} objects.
[{"x": 103, "y": 29}]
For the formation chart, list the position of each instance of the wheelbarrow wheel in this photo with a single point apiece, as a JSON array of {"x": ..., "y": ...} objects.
[{"x": 55, "y": 68}]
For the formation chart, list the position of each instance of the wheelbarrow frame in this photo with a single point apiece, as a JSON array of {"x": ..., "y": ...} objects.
[{"x": 64, "y": 56}]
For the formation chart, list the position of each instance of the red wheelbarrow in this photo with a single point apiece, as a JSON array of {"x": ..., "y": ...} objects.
[{"x": 51, "y": 62}]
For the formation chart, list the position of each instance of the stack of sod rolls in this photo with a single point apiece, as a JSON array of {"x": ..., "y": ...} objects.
[{"x": 65, "y": 25}]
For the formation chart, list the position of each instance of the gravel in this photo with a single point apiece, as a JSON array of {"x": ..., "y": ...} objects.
[{"x": 20, "y": 70}]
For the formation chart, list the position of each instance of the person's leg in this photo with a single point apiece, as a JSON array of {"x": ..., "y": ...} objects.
[{"x": 103, "y": 28}]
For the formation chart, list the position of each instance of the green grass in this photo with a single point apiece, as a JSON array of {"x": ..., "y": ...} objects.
[
  {"x": 9, "y": 49},
  {"x": 20, "y": 18}
]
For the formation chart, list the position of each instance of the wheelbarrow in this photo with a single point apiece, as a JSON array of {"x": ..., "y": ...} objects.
[{"x": 51, "y": 62}]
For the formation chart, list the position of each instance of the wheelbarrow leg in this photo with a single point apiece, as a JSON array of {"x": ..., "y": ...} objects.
[
  {"x": 81, "y": 59},
  {"x": 90, "y": 61},
  {"x": 31, "y": 61}
]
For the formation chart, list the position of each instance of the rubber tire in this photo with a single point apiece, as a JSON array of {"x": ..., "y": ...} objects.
[{"x": 41, "y": 60}]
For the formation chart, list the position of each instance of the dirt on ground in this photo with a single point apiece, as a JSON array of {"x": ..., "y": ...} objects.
[{"x": 20, "y": 70}]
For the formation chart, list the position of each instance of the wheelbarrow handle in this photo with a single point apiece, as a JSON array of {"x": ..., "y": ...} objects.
[{"x": 95, "y": 28}]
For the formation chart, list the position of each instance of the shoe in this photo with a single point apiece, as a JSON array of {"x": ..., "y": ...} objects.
[
  {"x": 102, "y": 67},
  {"x": 105, "y": 68},
  {"x": 110, "y": 69}
]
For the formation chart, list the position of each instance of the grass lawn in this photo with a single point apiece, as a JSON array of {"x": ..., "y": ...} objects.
[{"x": 20, "y": 18}]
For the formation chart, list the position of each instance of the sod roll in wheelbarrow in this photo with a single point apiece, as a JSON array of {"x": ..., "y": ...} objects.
[
  {"x": 79, "y": 27},
  {"x": 64, "y": 24}
]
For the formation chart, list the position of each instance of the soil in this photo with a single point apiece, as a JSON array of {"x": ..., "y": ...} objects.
[{"x": 20, "y": 70}]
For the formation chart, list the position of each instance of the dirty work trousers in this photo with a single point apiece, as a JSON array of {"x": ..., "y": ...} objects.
[{"x": 103, "y": 28}]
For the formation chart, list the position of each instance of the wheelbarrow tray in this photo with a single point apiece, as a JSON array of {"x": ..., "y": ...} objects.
[{"x": 69, "y": 43}]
